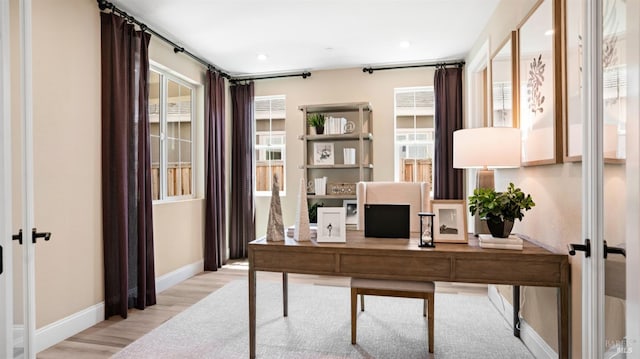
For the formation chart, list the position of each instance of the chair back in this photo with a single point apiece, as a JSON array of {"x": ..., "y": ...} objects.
[{"x": 416, "y": 194}]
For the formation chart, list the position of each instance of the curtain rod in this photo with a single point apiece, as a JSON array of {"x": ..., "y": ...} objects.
[
  {"x": 304, "y": 75},
  {"x": 435, "y": 64},
  {"x": 104, "y": 5}
]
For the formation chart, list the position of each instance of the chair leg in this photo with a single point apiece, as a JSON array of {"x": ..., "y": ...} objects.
[
  {"x": 362, "y": 302},
  {"x": 430, "y": 320},
  {"x": 354, "y": 312}
]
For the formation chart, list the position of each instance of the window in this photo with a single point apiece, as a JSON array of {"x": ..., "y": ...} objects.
[
  {"x": 270, "y": 143},
  {"x": 414, "y": 134},
  {"x": 171, "y": 115}
]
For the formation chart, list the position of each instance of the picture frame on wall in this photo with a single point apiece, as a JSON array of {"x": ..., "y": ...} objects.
[
  {"x": 450, "y": 221},
  {"x": 539, "y": 84},
  {"x": 323, "y": 153},
  {"x": 503, "y": 92},
  {"x": 331, "y": 225}
]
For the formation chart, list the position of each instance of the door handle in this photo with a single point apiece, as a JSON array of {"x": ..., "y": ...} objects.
[
  {"x": 35, "y": 235},
  {"x": 1, "y": 261},
  {"x": 613, "y": 250},
  {"x": 17, "y": 237},
  {"x": 586, "y": 248}
]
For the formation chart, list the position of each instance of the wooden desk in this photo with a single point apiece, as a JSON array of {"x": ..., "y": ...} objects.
[{"x": 402, "y": 259}]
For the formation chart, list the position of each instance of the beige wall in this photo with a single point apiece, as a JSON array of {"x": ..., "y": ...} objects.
[
  {"x": 67, "y": 161},
  {"x": 557, "y": 190},
  {"x": 337, "y": 86}
]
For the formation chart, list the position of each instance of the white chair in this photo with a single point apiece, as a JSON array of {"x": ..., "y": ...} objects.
[{"x": 417, "y": 196}]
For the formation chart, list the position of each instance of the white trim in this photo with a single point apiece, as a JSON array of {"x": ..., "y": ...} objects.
[
  {"x": 170, "y": 279},
  {"x": 67, "y": 327},
  {"x": 531, "y": 339}
]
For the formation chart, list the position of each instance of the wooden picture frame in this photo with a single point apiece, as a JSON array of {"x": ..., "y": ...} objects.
[
  {"x": 450, "y": 221},
  {"x": 615, "y": 85},
  {"x": 331, "y": 225},
  {"x": 504, "y": 72},
  {"x": 540, "y": 110},
  {"x": 323, "y": 153}
]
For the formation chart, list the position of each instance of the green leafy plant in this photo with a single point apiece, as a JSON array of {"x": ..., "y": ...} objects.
[
  {"x": 500, "y": 206},
  {"x": 313, "y": 212},
  {"x": 315, "y": 119}
]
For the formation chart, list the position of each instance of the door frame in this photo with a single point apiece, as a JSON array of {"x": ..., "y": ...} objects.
[{"x": 6, "y": 278}]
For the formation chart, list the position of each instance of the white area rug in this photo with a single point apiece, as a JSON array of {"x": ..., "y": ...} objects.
[{"x": 318, "y": 326}]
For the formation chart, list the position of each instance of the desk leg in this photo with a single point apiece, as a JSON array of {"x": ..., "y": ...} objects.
[
  {"x": 563, "y": 322},
  {"x": 516, "y": 311},
  {"x": 252, "y": 313},
  {"x": 285, "y": 294}
]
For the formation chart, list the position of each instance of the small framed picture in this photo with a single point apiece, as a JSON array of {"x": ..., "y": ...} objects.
[
  {"x": 450, "y": 222},
  {"x": 331, "y": 224},
  {"x": 323, "y": 153},
  {"x": 351, "y": 210}
]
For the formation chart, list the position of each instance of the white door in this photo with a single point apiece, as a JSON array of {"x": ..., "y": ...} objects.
[{"x": 611, "y": 180}]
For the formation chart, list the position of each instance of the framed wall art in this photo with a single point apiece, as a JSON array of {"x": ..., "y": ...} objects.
[
  {"x": 450, "y": 221},
  {"x": 539, "y": 86},
  {"x": 503, "y": 72}
]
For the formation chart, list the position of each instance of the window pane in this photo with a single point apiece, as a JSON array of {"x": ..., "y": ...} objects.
[
  {"x": 155, "y": 167},
  {"x": 269, "y": 141},
  {"x": 154, "y": 102}
]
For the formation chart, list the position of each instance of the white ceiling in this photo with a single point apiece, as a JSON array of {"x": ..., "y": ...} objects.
[{"x": 306, "y": 35}]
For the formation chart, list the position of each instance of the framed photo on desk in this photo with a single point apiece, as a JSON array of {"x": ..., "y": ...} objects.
[
  {"x": 450, "y": 222},
  {"x": 331, "y": 225}
]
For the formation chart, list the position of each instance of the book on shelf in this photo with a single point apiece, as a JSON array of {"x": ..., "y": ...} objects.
[{"x": 512, "y": 239}]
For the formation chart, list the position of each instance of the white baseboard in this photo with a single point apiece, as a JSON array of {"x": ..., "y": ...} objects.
[
  {"x": 64, "y": 328},
  {"x": 534, "y": 342},
  {"x": 170, "y": 279}
]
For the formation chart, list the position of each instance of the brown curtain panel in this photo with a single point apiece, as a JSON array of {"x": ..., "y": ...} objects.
[
  {"x": 447, "y": 87},
  {"x": 242, "y": 222},
  {"x": 215, "y": 224},
  {"x": 127, "y": 223}
]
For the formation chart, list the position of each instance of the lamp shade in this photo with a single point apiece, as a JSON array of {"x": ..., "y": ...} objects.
[{"x": 487, "y": 147}]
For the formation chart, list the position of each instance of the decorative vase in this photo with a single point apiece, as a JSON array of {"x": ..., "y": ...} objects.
[
  {"x": 500, "y": 229},
  {"x": 319, "y": 130}
]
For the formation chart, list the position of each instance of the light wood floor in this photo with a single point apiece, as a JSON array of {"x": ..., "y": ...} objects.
[{"x": 110, "y": 336}]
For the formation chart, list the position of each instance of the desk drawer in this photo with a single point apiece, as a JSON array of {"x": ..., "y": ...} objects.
[
  {"x": 296, "y": 262},
  {"x": 401, "y": 267},
  {"x": 507, "y": 272}
]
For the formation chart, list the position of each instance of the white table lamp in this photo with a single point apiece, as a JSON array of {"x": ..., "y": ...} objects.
[{"x": 486, "y": 148}]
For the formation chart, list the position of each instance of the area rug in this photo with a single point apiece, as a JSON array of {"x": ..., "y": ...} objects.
[{"x": 318, "y": 326}]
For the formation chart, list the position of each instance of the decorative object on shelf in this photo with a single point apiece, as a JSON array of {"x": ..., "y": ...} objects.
[
  {"x": 323, "y": 153},
  {"x": 349, "y": 156},
  {"x": 311, "y": 187},
  {"x": 316, "y": 120},
  {"x": 351, "y": 211},
  {"x": 302, "y": 231},
  {"x": 426, "y": 230},
  {"x": 275, "y": 226},
  {"x": 344, "y": 189},
  {"x": 321, "y": 186},
  {"x": 331, "y": 225},
  {"x": 349, "y": 127},
  {"x": 500, "y": 209},
  {"x": 450, "y": 221}
]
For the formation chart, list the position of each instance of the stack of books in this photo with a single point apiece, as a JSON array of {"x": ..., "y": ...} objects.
[
  {"x": 489, "y": 241},
  {"x": 312, "y": 227},
  {"x": 334, "y": 125}
]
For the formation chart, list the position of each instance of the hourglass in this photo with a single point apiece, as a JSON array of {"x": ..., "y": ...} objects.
[{"x": 426, "y": 230}]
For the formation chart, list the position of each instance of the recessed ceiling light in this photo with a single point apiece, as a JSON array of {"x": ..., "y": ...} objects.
[
  {"x": 405, "y": 44},
  {"x": 262, "y": 57},
  {"x": 549, "y": 32}
]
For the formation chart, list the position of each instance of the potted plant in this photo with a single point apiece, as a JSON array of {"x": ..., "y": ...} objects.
[
  {"x": 500, "y": 209},
  {"x": 316, "y": 120}
]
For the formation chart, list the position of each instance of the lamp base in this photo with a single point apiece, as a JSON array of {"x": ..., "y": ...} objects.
[{"x": 484, "y": 179}]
